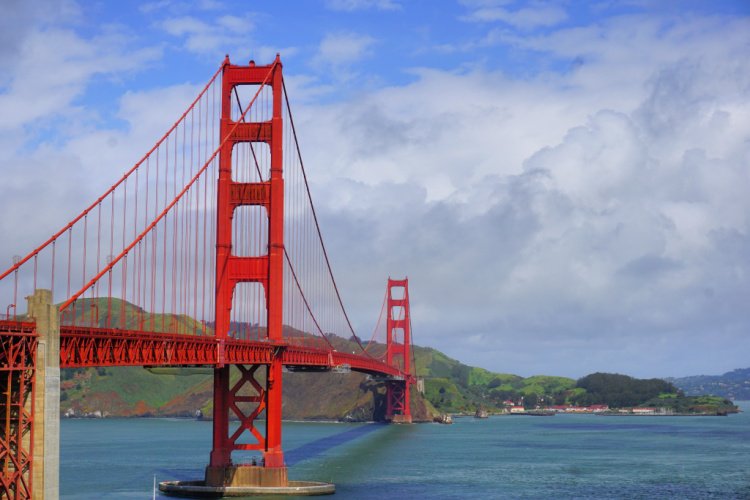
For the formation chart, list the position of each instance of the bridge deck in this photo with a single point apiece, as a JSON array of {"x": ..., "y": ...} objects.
[{"x": 88, "y": 347}]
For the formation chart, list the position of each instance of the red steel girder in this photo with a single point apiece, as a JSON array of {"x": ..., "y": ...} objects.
[
  {"x": 84, "y": 346},
  {"x": 251, "y": 132},
  {"x": 247, "y": 421},
  {"x": 249, "y": 193},
  {"x": 397, "y": 401},
  {"x": 18, "y": 346},
  {"x": 267, "y": 270}
]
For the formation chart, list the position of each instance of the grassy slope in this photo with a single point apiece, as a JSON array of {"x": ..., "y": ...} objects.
[
  {"x": 450, "y": 386},
  {"x": 125, "y": 390},
  {"x": 133, "y": 391}
]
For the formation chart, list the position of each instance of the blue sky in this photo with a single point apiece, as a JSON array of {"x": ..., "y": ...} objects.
[{"x": 564, "y": 183}]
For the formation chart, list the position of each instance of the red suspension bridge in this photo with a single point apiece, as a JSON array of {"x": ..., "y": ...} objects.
[{"x": 207, "y": 252}]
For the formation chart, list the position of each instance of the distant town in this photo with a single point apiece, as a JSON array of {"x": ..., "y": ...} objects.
[{"x": 514, "y": 408}]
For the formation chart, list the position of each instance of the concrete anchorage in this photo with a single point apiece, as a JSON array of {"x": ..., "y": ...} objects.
[{"x": 46, "y": 445}]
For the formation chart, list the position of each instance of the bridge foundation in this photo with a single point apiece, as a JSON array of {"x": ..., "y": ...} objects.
[
  {"x": 46, "y": 435},
  {"x": 193, "y": 489},
  {"x": 246, "y": 475},
  {"x": 244, "y": 481},
  {"x": 401, "y": 419}
]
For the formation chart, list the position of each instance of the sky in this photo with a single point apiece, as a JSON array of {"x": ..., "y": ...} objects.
[{"x": 565, "y": 184}]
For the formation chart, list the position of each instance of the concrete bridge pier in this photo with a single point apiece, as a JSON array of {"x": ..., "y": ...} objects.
[{"x": 46, "y": 443}]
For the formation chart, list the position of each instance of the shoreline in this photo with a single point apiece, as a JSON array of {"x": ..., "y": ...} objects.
[
  {"x": 665, "y": 414},
  {"x": 172, "y": 417}
]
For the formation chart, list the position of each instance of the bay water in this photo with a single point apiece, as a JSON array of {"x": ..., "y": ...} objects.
[{"x": 565, "y": 456}]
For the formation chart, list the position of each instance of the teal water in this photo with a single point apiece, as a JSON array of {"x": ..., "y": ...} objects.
[{"x": 565, "y": 456}]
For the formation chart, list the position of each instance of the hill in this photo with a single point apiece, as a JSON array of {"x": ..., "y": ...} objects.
[
  {"x": 449, "y": 386},
  {"x": 453, "y": 387},
  {"x": 183, "y": 392},
  {"x": 134, "y": 391},
  {"x": 621, "y": 391},
  {"x": 733, "y": 385}
]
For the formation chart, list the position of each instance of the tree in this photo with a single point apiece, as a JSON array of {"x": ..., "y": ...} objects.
[
  {"x": 620, "y": 390},
  {"x": 530, "y": 401}
]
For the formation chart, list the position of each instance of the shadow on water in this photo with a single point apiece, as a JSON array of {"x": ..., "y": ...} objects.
[
  {"x": 318, "y": 447},
  {"x": 307, "y": 451},
  {"x": 568, "y": 457},
  {"x": 347, "y": 468}
]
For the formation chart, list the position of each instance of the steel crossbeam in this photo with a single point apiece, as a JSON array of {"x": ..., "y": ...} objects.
[
  {"x": 87, "y": 347},
  {"x": 18, "y": 346}
]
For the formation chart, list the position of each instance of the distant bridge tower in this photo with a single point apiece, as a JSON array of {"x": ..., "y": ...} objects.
[
  {"x": 264, "y": 392},
  {"x": 398, "y": 325}
]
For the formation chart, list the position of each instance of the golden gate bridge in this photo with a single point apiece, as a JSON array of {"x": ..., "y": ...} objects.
[{"x": 207, "y": 252}]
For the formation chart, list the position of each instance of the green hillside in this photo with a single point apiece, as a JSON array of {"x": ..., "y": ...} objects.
[
  {"x": 131, "y": 392},
  {"x": 449, "y": 386},
  {"x": 134, "y": 391},
  {"x": 733, "y": 385}
]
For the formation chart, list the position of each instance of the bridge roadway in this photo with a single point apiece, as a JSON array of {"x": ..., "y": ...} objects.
[{"x": 89, "y": 347}]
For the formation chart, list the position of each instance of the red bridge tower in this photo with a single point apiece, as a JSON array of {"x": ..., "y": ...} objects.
[
  {"x": 263, "y": 382},
  {"x": 398, "y": 345}
]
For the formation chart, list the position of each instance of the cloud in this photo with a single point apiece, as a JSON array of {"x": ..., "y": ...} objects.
[
  {"x": 576, "y": 225},
  {"x": 342, "y": 49},
  {"x": 42, "y": 113},
  {"x": 66, "y": 176},
  {"x": 648, "y": 266},
  {"x": 43, "y": 84},
  {"x": 336, "y": 64},
  {"x": 538, "y": 15},
  {"x": 177, "y": 6},
  {"x": 224, "y": 34},
  {"x": 20, "y": 20},
  {"x": 149, "y": 7},
  {"x": 480, "y": 4},
  {"x": 569, "y": 221},
  {"x": 353, "y": 5}
]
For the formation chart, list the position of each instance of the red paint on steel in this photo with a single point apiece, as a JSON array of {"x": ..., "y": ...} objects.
[
  {"x": 18, "y": 346},
  {"x": 398, "y": 347},
  {"x": 266, "y": 269},
  {"x": 82, "y": 347},
  {"x": 135, "y": 343}
]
